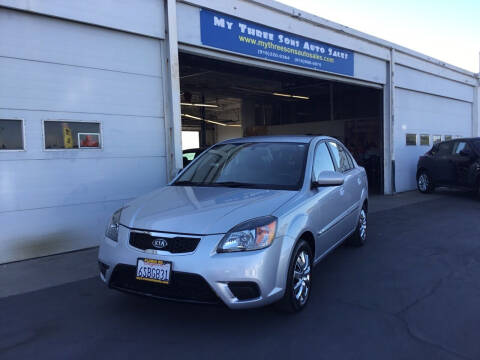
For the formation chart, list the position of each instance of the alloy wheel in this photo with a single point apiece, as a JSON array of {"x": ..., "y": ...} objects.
[
  {"x": 363, "y": 225},
  {"x": 423, "y": 182},
  {"x": 301, "y": 278}
]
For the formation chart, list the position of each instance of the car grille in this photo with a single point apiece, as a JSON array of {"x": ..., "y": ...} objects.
[
  {"x": 176, "y": 245},
  {"x": 183, "y": 286}
]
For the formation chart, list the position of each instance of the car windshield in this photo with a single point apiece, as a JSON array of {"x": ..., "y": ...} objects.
[{"x": 250, "y": 165}]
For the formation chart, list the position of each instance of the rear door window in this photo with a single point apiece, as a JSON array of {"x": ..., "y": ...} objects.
[{"x": 341, "y": 158}]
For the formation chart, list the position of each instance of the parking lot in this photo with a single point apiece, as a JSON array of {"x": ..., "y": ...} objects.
[{"x": 412, "y": 292}]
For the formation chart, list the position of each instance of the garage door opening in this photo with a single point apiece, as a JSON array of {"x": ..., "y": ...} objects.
[{"x": 223, "y": 100}]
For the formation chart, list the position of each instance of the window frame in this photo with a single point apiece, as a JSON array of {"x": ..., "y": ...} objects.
[
  {"x": 411, "y": 134},
  {"x": 347, "y": 153},
  {"x": 438, "y": 136},
  {"x": 24, "y": 140},
  {"x": 99, "y": 122},
  {"x": 315, "y": 153},
  {"x": 420, "y": 139},
  {"x": 467, "y": 145}
]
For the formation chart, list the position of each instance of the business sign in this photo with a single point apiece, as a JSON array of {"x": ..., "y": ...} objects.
[{"x": 244, "y": 37}]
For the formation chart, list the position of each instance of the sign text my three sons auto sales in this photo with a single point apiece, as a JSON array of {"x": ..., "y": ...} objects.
[{"x": 240, "y": 36}]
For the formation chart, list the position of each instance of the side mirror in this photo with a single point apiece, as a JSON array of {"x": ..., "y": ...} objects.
[{"x": 328, "y": 178}]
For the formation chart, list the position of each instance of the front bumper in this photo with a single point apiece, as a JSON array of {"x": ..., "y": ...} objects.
[{"x": 198, "y": 275}]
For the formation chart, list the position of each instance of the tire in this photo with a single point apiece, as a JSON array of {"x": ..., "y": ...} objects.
[
  {"x": 425, "y": 183},
  {"x": 359, "y": 237},
  {"x": 299, "y": 280}
]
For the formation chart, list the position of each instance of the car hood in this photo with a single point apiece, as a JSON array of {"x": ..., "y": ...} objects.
[{"x": 201, "y": 210}]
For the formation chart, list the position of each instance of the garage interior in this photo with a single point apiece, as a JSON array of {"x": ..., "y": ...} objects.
[{"x": 222, "y": 100}]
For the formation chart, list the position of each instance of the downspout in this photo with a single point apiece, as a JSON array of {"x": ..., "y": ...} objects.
[
  {"x": 476, "y": 108},
  {"x": 392, "y": 118},
  {"x": 476, "y": 103}
]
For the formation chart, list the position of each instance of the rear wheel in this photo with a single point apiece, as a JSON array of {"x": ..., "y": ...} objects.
[
  {"x": 424, "y": 183},
  {"x": 299, "y": 279},
  {"x": 359, "y": 237}
]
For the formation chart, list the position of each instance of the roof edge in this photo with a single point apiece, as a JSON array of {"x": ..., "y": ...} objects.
[{"x": 317, "y": 20}]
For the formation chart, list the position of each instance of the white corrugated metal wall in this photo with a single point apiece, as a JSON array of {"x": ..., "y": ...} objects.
[
  {"x": 99, "y": 62},
  {"x": 428, "y": 102}
]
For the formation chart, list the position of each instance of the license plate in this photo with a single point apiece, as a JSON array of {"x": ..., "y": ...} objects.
[{"x": 154, "y": 270}]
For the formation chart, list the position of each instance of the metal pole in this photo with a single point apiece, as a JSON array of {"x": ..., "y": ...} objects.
[
  {"x": 203, "y": 132},
  {"x": 173, "y": 120}
]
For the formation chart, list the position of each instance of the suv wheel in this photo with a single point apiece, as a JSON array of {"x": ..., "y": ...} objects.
[
  {"x": 299, "y": 279},
  {"x": 424, "y": 183}
]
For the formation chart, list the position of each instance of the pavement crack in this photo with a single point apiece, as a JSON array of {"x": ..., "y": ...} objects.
[
  {"x": 405, "y": 323},
  {"x": 400, "y": 316},
  {"x": 433, "y": 289},
  {"x": 429, "y": 343},
  {"x": 429, "y": 293}
]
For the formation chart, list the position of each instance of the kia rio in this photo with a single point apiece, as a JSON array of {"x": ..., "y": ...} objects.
[{"x": 243, "y": 224}]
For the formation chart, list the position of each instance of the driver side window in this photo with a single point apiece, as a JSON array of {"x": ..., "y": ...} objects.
[
  {"x": 460, "y": 147},
  {"x": 322, "y": 160}
]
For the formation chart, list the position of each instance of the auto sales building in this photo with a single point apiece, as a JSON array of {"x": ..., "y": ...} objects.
[{"x": 96, "y": 97}]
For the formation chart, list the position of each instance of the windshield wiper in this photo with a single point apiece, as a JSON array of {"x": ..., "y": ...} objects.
[{"x": 233, "y": 184}]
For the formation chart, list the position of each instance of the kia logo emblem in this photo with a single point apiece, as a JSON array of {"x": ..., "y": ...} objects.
[{"x": 159, "y": 243}]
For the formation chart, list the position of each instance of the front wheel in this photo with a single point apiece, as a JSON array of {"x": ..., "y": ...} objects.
[
  {"x": 299, "y": 279},
  {"x": 424, "y": 183}
]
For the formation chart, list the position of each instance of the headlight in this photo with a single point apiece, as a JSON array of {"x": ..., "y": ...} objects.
[
  {"x": 254, "y": 234},
  {"x": 112, "y": 229}
]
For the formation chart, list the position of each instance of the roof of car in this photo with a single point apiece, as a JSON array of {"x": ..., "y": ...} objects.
[
  {"x": 458, "y": 139},
  {"x": 276, "y": 138}
]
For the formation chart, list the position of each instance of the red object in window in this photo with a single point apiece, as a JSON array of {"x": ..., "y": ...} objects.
[{"x": 89, "y": 141}]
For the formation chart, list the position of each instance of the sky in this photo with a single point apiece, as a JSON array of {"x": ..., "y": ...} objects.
[{"x": 445, "y": 30}]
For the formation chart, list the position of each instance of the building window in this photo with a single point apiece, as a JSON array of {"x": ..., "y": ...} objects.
[
  {"x": 437, "y": 139},
  {"x": 72, "y": 135},
  {"x": 425, "y": 140},
  {"x": 448, "y": 137},
  {"x": 411, "y": 139},
  {"x": 11, "y": 134}
]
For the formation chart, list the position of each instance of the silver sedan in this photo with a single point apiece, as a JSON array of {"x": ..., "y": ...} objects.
[{"x": 243, "y": 224}]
